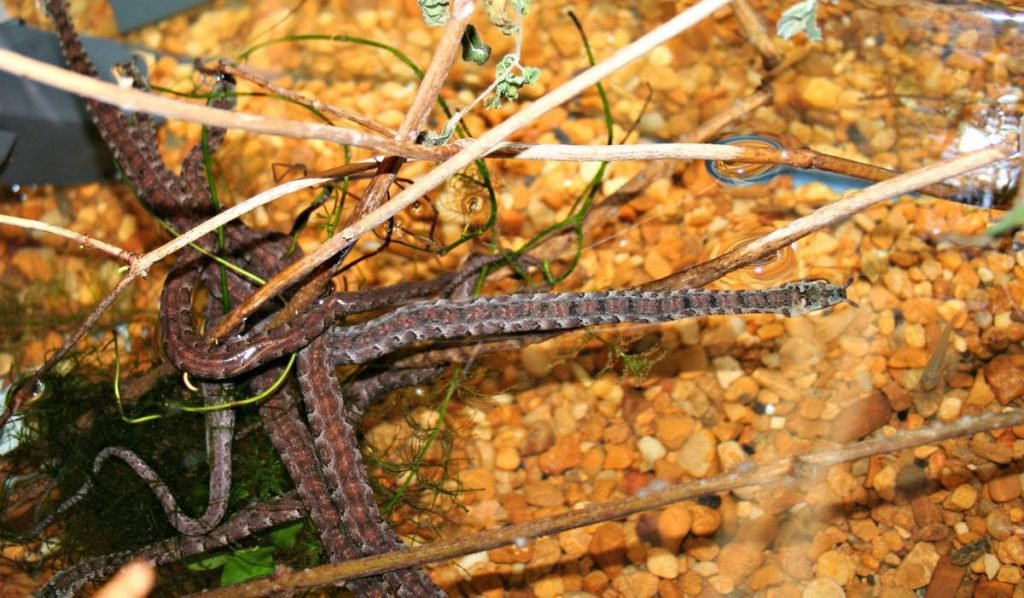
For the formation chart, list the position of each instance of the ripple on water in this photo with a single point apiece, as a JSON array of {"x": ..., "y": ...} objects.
[
  {"x": 741, "y": 174},
  {"x": 744, "y": 174},
  {"x": 784, "y": 266}
]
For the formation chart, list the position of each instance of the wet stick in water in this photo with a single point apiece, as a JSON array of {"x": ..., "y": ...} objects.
[
  {"x": 850, "y": 204},
  {"x": 761, "y": 475},
  {"x": 768, "y": 158}
]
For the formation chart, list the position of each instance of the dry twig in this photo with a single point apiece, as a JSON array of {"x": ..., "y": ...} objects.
[
  {"x": 242, "y": 73},
  {"x": 85, "y": 240},
  {"x": 849, "y": 205}
]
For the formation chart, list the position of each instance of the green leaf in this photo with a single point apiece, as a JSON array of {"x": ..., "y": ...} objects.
[
  {"x": 1013, "y": 219},
  {"x": 241, "y": 565},
  {"x": 431, "y": 138},
  {"x": 247, "y": 564},
  {"x": 284, "y": 538},
  {"x": 209, "y": 563},
  {"x": 473, "y": 47},
  {"x": 802, "y": 16},
  {"x": 435, "y": 12},
  {"x": 509, "y": 77}
]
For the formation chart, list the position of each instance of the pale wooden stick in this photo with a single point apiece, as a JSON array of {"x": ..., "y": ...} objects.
[
  {"x": 828, "y": 215},
  {"x": 141, "y": 266},
  {"x": 437, "y": 72},
  {"x": 554, "y": 152},
  {"x": 115, "y": 252},
  {"x": 136, "y": 100}
]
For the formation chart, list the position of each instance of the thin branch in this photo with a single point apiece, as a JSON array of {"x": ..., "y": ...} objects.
[
  {"x": 849, "y": 205},
  {"x": 437, "y": 71},
  {"x": 136, "y": 100},
  {"x": 242, "y": 73},
  {"x": 765, "y": 474},
  {"x": 141, "y": 101},
  {"x": 116, "y": 252},
  {"x": 553, "y": 152},
  {"x": 753, "y": 28},
  {"x": 300, "y": 269},
  {"x": 18, "y": 399},
  {"x": 141, "y": 266}
]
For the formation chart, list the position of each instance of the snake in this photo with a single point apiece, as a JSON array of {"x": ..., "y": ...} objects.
[
  {"x": 180, "y": 202},
  {"x": 242, "y": 524},
  {"x": 323, "y": 458}
]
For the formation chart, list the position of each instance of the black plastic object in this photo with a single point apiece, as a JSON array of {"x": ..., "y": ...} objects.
[
  {"x": 45, "y": 134},
  {"x": 132, "y": 14},
  {"x": 6, "y": 145}
]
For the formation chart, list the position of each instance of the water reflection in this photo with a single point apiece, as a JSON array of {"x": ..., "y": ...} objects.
[
  {"x": 785, "y": 265},
  {"x": 991, "y": 187},
  {"x": 741, "y": 174}
]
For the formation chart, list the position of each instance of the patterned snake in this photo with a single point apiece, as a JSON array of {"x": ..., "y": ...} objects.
[
  {"x": 180, "y": 201},
  {"x": 324, "y": 459}
]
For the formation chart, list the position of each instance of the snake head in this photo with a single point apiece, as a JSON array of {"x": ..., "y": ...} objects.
[{"x": 816, "y": 295}]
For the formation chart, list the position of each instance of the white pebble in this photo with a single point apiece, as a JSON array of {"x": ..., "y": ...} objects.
[
  {"x": 727, "y": 370},
  {"x": 651, "y": 449},
  {"x": 950, "y": 409}
]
